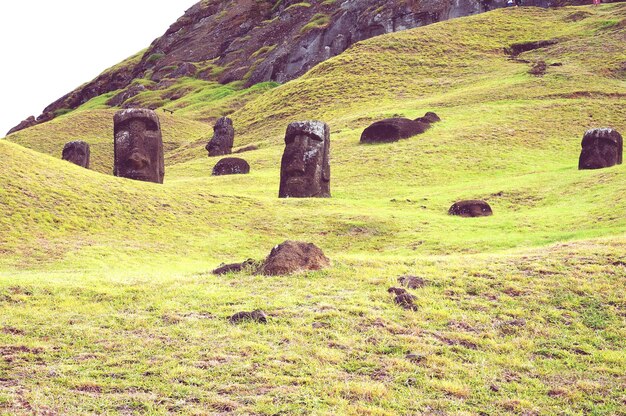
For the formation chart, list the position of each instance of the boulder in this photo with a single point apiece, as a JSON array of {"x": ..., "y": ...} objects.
[
  {"x": 292, "y": 257},
  {"x": 231, "y": 166},
  {"x": 392, "y": 130},
  {"x": 471, "y": 208},
  {"x": 601, "y": 148}
]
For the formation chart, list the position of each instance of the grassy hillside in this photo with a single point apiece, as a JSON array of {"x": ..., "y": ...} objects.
[{"x": 107, "y": 305}]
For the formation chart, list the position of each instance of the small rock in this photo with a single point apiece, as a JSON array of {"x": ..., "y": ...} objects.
[
  {"x": 415, "y": 358},
  {"x": 472, "y": 208},
  {"x": 231, "y": 166},
  {"x": 400, "y": 291},
  {"x": 412, "y": 282},
  {"x": 234, "y": 267},
  {"x": 255, "y": 316}
]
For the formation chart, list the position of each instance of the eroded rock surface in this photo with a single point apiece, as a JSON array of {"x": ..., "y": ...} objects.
[{"x": 285, "y": 39}]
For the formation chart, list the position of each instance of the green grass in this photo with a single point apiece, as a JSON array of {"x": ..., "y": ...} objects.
[{"x": 107, "y": 304}]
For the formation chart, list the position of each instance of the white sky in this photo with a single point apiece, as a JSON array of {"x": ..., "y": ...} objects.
[{"x": 50, "y": 47}]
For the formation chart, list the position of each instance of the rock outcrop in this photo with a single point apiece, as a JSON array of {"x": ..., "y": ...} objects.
[{"x": 264, "y": 40}]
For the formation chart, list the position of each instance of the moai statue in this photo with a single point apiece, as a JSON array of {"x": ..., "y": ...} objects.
[
  {"x": 602, "y": 148},
  {"x": 392, "y": 130},
  {"x": 138, "y": 146},
  {"x": 77, "y": 152},
  {"x": 305, "y": 166},
  {"x": 223, "y": 138},
  {"x": 471, "y": 208}
]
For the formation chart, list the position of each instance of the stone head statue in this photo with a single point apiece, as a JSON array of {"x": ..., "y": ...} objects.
[
  {"x": 138, "y": 146},
  {"x": 223, "y": 138},
  {"x": 305, "y": 166},
  {"x": 471, "y": 208},
  {"x": 77, "y": 152},
  {"x": 601, "y": 148}
]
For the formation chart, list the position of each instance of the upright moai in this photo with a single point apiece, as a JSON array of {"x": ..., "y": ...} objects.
[
  {"x": 305, "y": 165},
  {"x": 77, "y": 152},
  {"x": 223, "y": 138},
  {"x": 138, "y": 146}
]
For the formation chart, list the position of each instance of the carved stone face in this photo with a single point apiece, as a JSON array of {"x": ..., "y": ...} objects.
[
  {"x": 138, "y": 146},
  {"x": 77, "y": 152},
  {"x": 305, "y": 166},
  {"x": 601, "y": 148},
  {"x": 223, "y": 138},
  {"x": 471, "y": 209}
]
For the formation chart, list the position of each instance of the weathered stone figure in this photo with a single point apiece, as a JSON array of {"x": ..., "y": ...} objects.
[
  {"x": 471, "y": 208},
  {"x": 77, "y": 152},
  {"x": 392, "y": 130},
  {"x": 223, "y": 138},
  {"x": 138, "y": 146},
  {"x": 305, "y": 166},
  {"x": 231, "y": 166},
  {"x": 602, "y": 148}
]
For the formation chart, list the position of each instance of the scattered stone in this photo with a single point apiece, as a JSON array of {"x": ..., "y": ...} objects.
[
  {"x": 400, "y": 291},
  {"x": 223, "y": 138},
  {"x": 429, "y": 118},
  {"x": 320, "y": 325},
  {"x": 405, "y": 300},
  {"x": 415, "y": 358},
  {"x": 601, "y": 148},
  {"x": 538, "y": 69},
  {"x": 255, "y": 316},
  {"x": 247, "y": 149},
  {"x": 138, "y": 145},
  {"x": 392, "y": 129},
  {"x": 472, "y": 208},
  {"x": 293, "y": 256},
  {"x": 305, "y": 165},
  {"x": 412, "y": 282},
  {"x": 77, "y": 152},
  {"x": 231, "y": 166},
  {"x": 234, "y": 267},
  {"x": 494, "y": 388}
]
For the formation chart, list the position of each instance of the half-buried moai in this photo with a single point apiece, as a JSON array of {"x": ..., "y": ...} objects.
[
  {"x": 138, "y": 145},
  {"x": 223, "y": 138},
  {"x": 305, "y": 166},
  {"x": 471, "y": 208},
  {"x": 602, "y": 148},
  {"x": 77, "y": 152}
]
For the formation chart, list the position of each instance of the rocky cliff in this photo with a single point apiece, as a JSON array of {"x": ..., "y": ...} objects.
[{"x": 252, "y": 41}]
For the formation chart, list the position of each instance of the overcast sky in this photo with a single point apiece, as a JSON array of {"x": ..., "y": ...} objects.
[{"x": 51, "y": 47}]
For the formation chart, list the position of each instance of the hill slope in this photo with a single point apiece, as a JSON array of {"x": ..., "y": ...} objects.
[{"x": 108, "y": 305}]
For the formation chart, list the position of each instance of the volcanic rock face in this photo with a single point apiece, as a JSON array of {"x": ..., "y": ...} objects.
[
  {"x": 601, "y": 148},
  {"x": 223, "y": 138},
  {"x": 77, "y": 152},
  {"x": 265, "y": 40},
  {"x": 138, "y": 146},
  {"x": 392, "y": 130},
  {"x": 472, "y": 208},
  {"x": 293, "y": 256},
  {"x": 231, "y": 166},
  {"x": 305, "y": 165}
]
